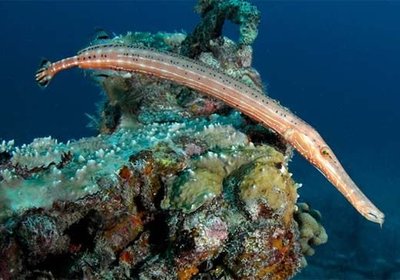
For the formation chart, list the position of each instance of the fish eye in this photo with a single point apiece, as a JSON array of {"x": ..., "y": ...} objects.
[{"x": 325, "y": 152}]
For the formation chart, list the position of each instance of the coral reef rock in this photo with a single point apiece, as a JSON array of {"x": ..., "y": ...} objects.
[
  {"x": 165, "y": 200},
  {"x": 175, "y": 186}
]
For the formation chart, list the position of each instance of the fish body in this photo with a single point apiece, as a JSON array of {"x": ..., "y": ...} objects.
[{"x": 250, "y": 101}]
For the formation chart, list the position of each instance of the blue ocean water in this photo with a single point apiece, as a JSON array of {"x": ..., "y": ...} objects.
[{"x": 334, "y": 63}]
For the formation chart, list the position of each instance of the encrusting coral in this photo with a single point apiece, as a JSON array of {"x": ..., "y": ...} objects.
[
  {"x": 176, "y": 185},
  {"x": 311, "y": 231}
]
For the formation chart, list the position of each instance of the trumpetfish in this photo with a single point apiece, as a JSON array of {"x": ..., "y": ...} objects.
[{"x": 248, "y": 100}]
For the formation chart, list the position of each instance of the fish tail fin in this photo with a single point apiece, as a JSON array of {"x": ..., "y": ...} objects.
[{"x": 43, "y": 75}]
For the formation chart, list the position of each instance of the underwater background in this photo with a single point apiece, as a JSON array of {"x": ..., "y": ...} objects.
[{"x": 334, "y": 63}]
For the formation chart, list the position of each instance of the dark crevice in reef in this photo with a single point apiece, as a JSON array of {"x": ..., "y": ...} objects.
[
  {"x": 159, "y": 233},
  {"x": 261, "y": 135},
  {"x": 57, "y": 265},
  {"x": 5, "y": 157},
  {"x": 184, "y": 242},
  {"x": 83, "y": 232}
]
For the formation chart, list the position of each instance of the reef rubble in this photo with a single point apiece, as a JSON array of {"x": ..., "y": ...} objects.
[{"x": 175, "y": 186}]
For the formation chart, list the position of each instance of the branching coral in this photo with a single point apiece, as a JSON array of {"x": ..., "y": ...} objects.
[
  {"x": 214, "y": 13},
  {"x": 312, "y": 232}
]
